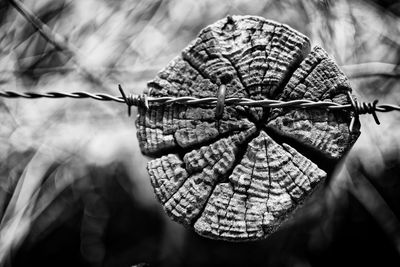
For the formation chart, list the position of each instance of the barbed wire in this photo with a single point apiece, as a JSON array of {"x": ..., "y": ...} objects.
[
  {"x": 135, "y": 100},
  {"x": 144, "y": 100},
  {"x": 80, "y": 94}
]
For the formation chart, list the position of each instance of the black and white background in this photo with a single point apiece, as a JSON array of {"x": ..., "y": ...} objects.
[{"x": 73, "y": 185}]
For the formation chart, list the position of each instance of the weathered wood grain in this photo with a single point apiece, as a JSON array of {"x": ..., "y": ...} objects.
[
  {"x": 240, "y": 177},
  {"x": 317, "y": 78},
  {"x": 267, "y": 183}
]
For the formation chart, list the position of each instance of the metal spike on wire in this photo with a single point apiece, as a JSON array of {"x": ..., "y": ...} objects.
[{"x": 144, "y": 100}]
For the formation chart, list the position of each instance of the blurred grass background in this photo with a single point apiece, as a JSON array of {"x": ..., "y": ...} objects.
[{"x": 73, "y": 185}]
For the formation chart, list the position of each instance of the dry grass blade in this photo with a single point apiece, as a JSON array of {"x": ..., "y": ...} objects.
[
  {"x": 59, "y": 42},
  {"x": 371, "y": 69}
]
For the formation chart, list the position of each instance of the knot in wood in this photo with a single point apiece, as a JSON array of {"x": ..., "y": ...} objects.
[{"x": 240, "y": 177}]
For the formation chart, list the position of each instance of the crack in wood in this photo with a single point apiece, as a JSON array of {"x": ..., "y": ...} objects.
[{"x": 321, "y": 159}]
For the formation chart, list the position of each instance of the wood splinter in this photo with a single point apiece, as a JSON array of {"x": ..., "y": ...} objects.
[{"x": 240, "y": 175}]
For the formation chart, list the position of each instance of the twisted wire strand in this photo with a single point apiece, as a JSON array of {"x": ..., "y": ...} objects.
[
  {"x": 81, "y": 94},
  {"x": 303, "y": 103},
  {"x": 135, "y": 100},
  {"x": 387, "y": 108},
  {"x": 143, "y": 100}
]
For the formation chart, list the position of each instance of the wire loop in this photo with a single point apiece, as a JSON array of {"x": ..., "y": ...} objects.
[{"x": 219, "y": 109}]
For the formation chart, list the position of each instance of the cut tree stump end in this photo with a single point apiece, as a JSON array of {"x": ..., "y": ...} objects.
[{"x": 239, "y": 176}]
